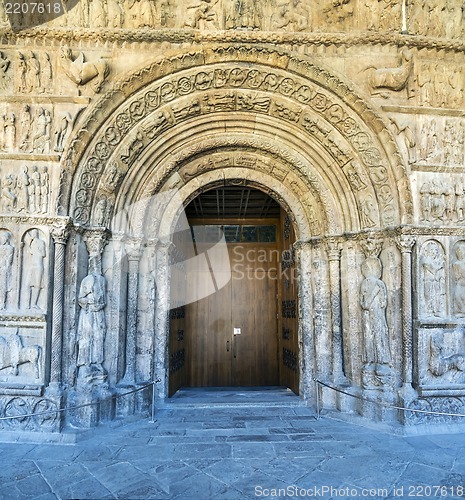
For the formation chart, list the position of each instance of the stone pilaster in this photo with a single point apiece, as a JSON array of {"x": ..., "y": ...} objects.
[
  {"x": 134, "y": 254},
  {"x": 333, "y": 248}
]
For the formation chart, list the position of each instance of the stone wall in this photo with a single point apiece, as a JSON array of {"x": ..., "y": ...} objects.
[{"x": 350, "y": 113}]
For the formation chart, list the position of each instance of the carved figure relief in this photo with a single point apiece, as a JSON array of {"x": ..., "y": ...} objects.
[
  {"x": 9, "y": 131},
  {"x": 291, "y": 16},
  {"x": 338, "y": 13},
  {"x": 441, "y": 142},
  {"x": 441, "y": 364},
  {"x": 442, "y": 202},
  {"x": 91, "y": 328},
  {"x": 4, "y": 66},
  {"x": 373, "y": 302},
  {"x": 244, "y": 14},
  {"x": 458, "y": 280},
  {"x": 440, "y": 85},
  {"x": 42, "y": 131},
  {"x": 27, "y": 192},
  {"x": 62, "y": 131},
  {"x": 81, "y": 72},
  {"x": 394, "y": 79},
  {"x": 46, "y": 73},
  {"x": 433, "y": 279},
  {"x": 203, "y": 15},
  {"x": 35, "y": 251},
  {"x": 13, "y": 354},
  {"x": 6, "y": 267}
]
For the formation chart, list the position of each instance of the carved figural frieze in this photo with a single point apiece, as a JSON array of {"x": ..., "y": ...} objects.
[
  {"x": 83, "y": 72},
  {"x": 91, "y": 329},
  {"x": 6, "y": 266},
  {"x": 27, "y": 192},
  {"x": 373, "y": 303},
  {"x": 442, "y": 202},
  {"x": 13, "y": 354}
]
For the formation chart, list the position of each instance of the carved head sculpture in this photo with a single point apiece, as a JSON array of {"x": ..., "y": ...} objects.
[
  {"x": 372, "y": 268},
  {"x": 460, "y": 251}
]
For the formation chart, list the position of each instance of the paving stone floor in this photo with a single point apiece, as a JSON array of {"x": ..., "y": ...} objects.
[{"x": 236, "y": 452}]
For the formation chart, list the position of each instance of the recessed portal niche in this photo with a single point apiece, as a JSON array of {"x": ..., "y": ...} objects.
[{"x": 233, "y": 318}]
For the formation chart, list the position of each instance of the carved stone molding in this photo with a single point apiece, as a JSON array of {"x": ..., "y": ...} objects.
[
  {"x": 61, "y": 230},
  {"x": 96, "y": 240}
]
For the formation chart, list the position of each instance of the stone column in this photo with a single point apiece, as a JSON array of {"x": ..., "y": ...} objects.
[
  {"x": 333, "y": 248},
  {"x": 306, "y": 340},
  {"x": 163, "y": 278},
  {"x": 60, "y": 234},
  {"x": 405, "y": 244},
  {"x": 134, "y": 254}
]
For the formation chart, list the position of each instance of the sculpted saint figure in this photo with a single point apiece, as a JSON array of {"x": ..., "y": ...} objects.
[
  {"x": 34, "y": 271},
  {"x": 373, "y": 301},
  {"x": 6, "y": 263},
  {"x": 91, "y": 328},
  {"x": 458, "y": 273}
]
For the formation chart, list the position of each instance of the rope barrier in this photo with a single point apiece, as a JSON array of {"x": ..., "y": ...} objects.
[
  {"x": 84, "y": 405},
  {"x": 380, "y": 403}
]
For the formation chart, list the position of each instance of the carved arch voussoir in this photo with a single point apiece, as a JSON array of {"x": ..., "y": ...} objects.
[{"x": 337, "y": 104}]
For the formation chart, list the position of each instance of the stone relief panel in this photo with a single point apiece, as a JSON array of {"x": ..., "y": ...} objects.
[
  {"x": 443, "y": 18},
  {"x": 441, "y": 201},
  {"x": 25, "y": 189},
  {"x": 21, "y": 354},
  {"x": 440, "y": 85},
  {"x": 7, "y": 253},
  {"x": 441, "y": 361},
  {"x": 458, "y": 279},
  {"x": 432, "y": 277},
  {"x": 21, "y": 406},
  {"x": 34, "y": 275},
  {"x": 440, "y": 141}
]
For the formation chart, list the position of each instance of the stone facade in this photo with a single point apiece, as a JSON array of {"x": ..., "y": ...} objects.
[{"x": 350, "y": 113}]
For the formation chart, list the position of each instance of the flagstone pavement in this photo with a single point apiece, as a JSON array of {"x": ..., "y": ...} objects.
[{"x": 236, "y": 452}]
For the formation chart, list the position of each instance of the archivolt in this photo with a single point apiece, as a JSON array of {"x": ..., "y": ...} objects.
[{"x": 139, "y": 127}]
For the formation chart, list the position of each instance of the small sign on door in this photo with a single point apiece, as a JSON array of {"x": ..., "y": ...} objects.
[{"x": 237, "y": 331}]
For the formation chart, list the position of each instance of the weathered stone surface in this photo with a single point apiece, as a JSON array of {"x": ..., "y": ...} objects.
[{"x": 350, "y": 114}]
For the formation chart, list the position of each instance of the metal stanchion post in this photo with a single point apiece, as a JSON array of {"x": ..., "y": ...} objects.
[
  {"x": 153, "y": 403},
  {"x": 317, "y": 389}
]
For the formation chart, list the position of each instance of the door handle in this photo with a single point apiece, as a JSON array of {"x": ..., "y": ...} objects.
[
  {"x": 235, "y": 346},
  {"x": 227, "y": 346}
]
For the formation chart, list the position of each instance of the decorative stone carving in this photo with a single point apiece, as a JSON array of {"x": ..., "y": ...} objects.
[
  {"x": 433, "y": 279},
  {"x": 42, "y": 131},
  {"x": 62, "y": 131},
  {"x": 442, "y": 202},
  {"x": 203, "y": 15},
  {"x": 91, "y": 329},
  {"x": 27, "y": 192},
  {"x": 373, "y": 302},
  {"x": 25, "y": 124},
  {"x": 81, "y": 72},
  {"x": 441, "y": 364},
  {"x": 13, "y": 354},
  {"x": 6, "y": 267},
  {"x": 35, "y": 251},
  {"x": 458, "y": 280},
  {"x": 440, "y": 142},
  {"x": 393, "y": 79},
  {"x": 292, "y": 16}
]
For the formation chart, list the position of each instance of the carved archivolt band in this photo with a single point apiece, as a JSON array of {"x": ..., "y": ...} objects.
[{"x": 307, "y": 103}]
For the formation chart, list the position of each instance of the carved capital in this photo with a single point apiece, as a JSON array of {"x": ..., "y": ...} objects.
[
  {"x": 405, "y": 242},
  {"x": 133, "y": 246},
  {"x": 333, "y": 248},
  {"x": 96, "y": 239},
  {"x": 60, "y": 231},
  {"x": 371, "y": 245}
]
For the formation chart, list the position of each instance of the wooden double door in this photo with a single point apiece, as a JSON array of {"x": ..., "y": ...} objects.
[{"x": 233, "y": 333}]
